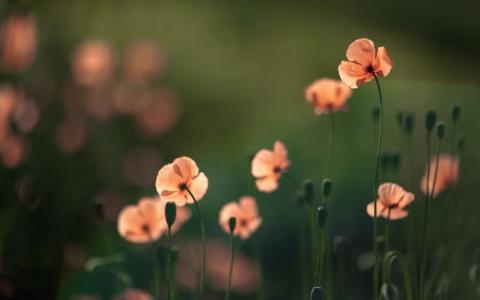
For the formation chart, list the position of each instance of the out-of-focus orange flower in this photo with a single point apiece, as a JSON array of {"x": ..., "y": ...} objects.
[
  {"x": 143, "y": 60},
  {"x": 246, "y": 213},
  {"x": 26, "y": 116},
  {"x": 363, "y": 63},
  {"x": 175, "y": 179},
  {"x": 9, "y": 99},
  {"x": 391, "y": 203},
  {"x": 134, "y": 294},
  {"x": 245, "y": 275},
  {"x": 13, "y": 150},
  {"x": 447, "y": 174},
  {"x": 328, "y": 95},
  {"x": 141, "y": 223},
  {"x": 71, "y": 135},
  {"x": 92, "y": 63},
  {"x": 183, "y": 215},
  {"x": 160, "y": 114},
  {"x": 268, "y": 166},
  {"x": 18, "y": 42}
]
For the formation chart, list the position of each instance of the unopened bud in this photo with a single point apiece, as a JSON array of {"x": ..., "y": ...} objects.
[
  {"x": 326, "y": 187},
  {"x": 317, "y": 293},
  {"x": 409, "y": 123},
  {"x": 321, "y": 216},
  {"x": 440, "y": 129},
  {"x": 232, "y": 223},
  {"x": 430, "y": 120},
  {"x": 170, "y": 213},
  {"x": 455, "y": 112}
]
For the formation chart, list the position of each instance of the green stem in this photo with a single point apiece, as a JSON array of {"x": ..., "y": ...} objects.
[
  {"x": 156, "y": 268},
  {"x": 169, "y": 257},
  {"x": 330, "y": 146},
  {"x": 375, "y": 183},
  {"x": 387, "y": 232},
  {"x": 230, "y": 271},
  {"x": 258, "y": 254},
  {"x": 204, "y": 245},
  {"x": 425, "y": 218}
]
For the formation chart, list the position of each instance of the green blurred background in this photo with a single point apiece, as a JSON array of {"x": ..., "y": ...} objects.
[{"x": 239, "y": 69}]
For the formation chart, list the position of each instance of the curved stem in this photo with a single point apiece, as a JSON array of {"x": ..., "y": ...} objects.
[
  {"x": 204, "y": 245},
  {"x": 375, "y": 183},
  {"x": 387, "y": 232},
  {"x": 230, "y": 271}
]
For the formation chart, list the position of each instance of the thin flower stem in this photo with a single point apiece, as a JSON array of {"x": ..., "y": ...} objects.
[
  {"x": 156, "y": 269},
  {"x": 204, "y": 245},
  {"x": 230, "y": 271},
  {"x": 169, "y": 258},
  {"x": 291, "y": 179},
  {"x": 330, "y": 146},
  {"x": 387, "y": 231},
  {"x": 375, "y": 183}
]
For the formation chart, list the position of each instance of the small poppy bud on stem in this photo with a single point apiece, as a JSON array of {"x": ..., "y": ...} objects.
[
  {"x": 440, "y": 129},
  {"x": 326, "y": 187},
  {"x": 321, "y": 216},
  {"x": 98, "y": 205},
  {"x": 308, "y": 190},
  {"x": 232, "y": 223},
  {"x": 170, "y": 213},
  {"x": 400, "y": 118},
  {"x": 430, "y": 120},
  {"x": 409, "y": 123},
  {"x": 317, "y": 293},
  {"x": 455, "y": 112},
  {"x": 460, "y": 144}
]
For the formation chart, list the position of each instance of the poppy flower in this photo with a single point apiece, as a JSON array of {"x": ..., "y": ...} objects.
[
  {"x": 364, "y": 62},
  {"x": 246, "y": 213},
  {"x": 447, "y": 174},
  {"x": 391, "y": 203},
  {"x": 141, "y": 223},
  {"x": 328, "y": 95},
  {"x": 92, "y": 63},
  {"x": 268, "y": 166},
  {"x": 18, "y": 42},
  {"x": 175, "y": 180}
]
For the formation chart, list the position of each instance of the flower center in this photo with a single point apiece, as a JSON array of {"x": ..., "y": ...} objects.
[
  {"x": 370, "y": 69},
  {"x": 146, "y": 228},
  {"x": 182, "y": 186},
  {"x": 243, "y": 223},
  {"x": 277, "y": 169}
]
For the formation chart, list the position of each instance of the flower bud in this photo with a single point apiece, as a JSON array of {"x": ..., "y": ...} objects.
[
  {"x": 409, "y": 123},
  {"x": 308, "y": 190},
  {"x": 232, "y": 223},
  {"x": 455, "y": 112},
  {"x": 170, "y": 213},
  {"x": 326, "y": 187},
  {"x": 400, "y": 118},
  {"x": 395, "y": 160},
  {"x": 430, "y": 120},
  {"x": 460, "y": 144},
  {"x": 321, "y": 217},
  {"x": 317, "y": 293},
  {"x": 375, "y": 113},
  {"x": 440, "y": 129}
]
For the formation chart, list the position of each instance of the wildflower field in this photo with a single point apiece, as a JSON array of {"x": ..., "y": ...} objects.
[{"x": 239, "y": 150}]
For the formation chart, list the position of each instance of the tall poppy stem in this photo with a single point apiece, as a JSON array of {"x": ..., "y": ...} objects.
[
  {"x": 330, "y": 145},
  {"x": 230, "y": 271},
  {"x": 204, "y": 245},
  {"x": 375, "y": 183},
  {"x": 169, "y": 258},
  {"x": 430, "y": 194}
]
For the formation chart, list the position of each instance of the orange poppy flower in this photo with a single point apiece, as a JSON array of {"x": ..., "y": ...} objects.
[
  {"x": 363, "y": 63},
  {"x": 142, "y": 223},
  {"x": 391, "y": 203},
  {"x": 92, "y": 63},
  {"x": 447, "y": 174},
  {"x": 246, "y": 213},
  {"x": 268, "y": 166},
  {"x": 134, "y": 294},
  {"x": 176, "y": 179},
  {"x": 18, "y": 42},
  {"x": 328, "y": 95}
]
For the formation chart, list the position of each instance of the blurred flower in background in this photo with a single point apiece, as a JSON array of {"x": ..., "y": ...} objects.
[{"x": 18, "y": 42}]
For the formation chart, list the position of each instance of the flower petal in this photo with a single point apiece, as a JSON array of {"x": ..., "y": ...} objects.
[
  {"x": 185, "y": 167},
  {"x": 383, "y": 63},
  {"x": 353, "y": 74},
  {"x": 361, "y": 51},
  {"x": 198, "y": 186},
  {"x": 267, "y": 184},
  {"x": 263, "y": 163}
]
